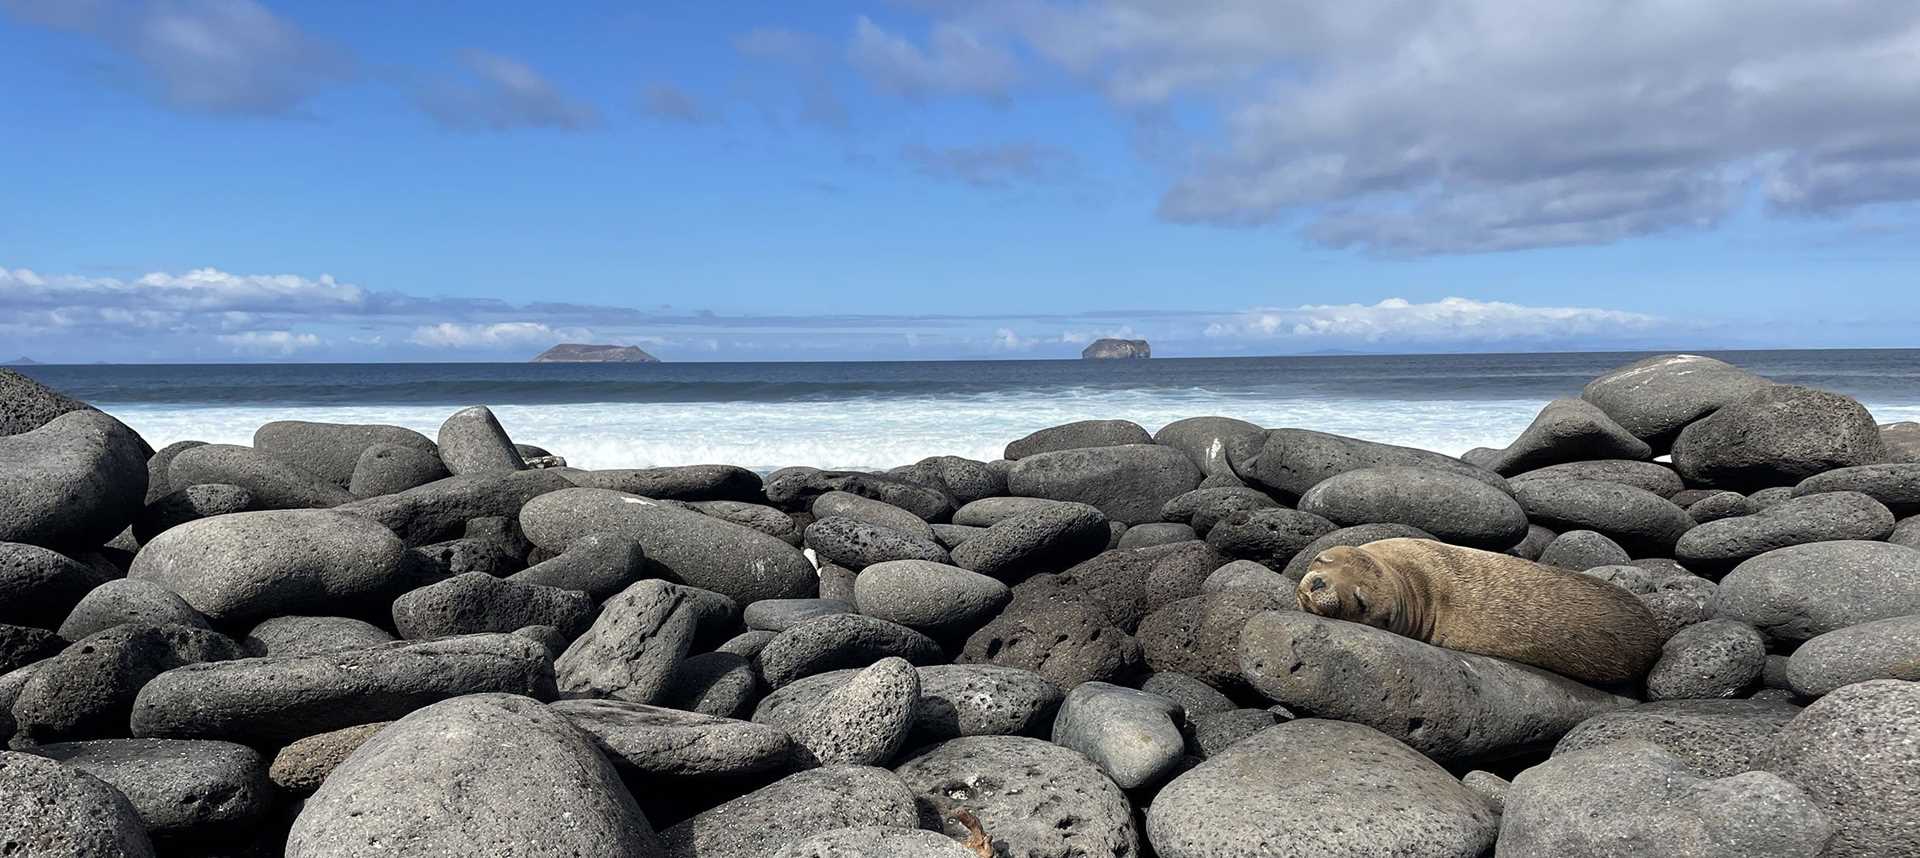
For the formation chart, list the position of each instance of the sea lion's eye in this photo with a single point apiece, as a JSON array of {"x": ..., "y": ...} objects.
[{"x": 1317, "y": 585}]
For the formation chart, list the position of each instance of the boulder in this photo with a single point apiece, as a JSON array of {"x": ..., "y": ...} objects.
[
  {"x": 598, "y": 564},
  {"x": 792, "y": 809},
  {"x": 72, "y": 482},
  {"x": 1656, "y": 477},
  {"x": 657, "y": 742},
  {"x": 990, "y": 511},
  {"x": 1155, "y": 533},
  {"x": 955, "y": 700},
  {"x": 740, "y": 563},
  {"x": 1855, "y": 752},
  {"x": 273, "y": 483},
  {"x": 477, "y": 602},
  {"x": 1348, "y": 536},
  {"x": 1568, "y": 430},
  {"x": 385, "y": 469},
  {"x": 1213, "y": 443},
  {"x": 721, "y": 684},
  {"x": 863, "y": 722},
  {"x": 933, "y": 598},
  {"x": 1717, "y": 658},
  {"x": 128, "y": 600},
  {"x": 794, "y": 490},
  {"x": 1656, "y": 397},
  {"x": 1051, "y": 537},
  {"x": 1128, "y": 483},
  {"x": 1882, "y": 649},
  {"x": 182, "y": 788},
  {"x": 783, "y": 526},
  {"x": 1454, "y": 508},
  {"x": 1078, "y": 435},
  {"x": 778, "y": 615},
  {"x": 485, "y": 775},
  {"x": 1634, "y": 798},
  {"x": 301, "y": 767},
  {"x": 1452, "y": 706},
  {"x": 1270, "y": 537},
  {"x": 692, "y": 483},
  {"x": 1902, "y": 439},
  {"x": 296, "y": 635},
  {"x": 1824, "y": 517},
  {"x": 441, "y": 509},
  {"x": 877, "y": 841},
  {"x": 1642, "y": 522},
  {"x": 1133, "y": 736},
  {"x": 24, "y": 645},
  {"x": 1212, "y": 733},
  {"x": 1895, "y": 485},
  {"x": 1795, "y": 593},
  {"x": 1295, "y": 460},
  {"x": 1200, "y": 635},
  {"x": 1245, "y": 573},
  {"x": 1777, "y": 436},
  {"x": 632, "y": 648},
  {"x": 1715, "y": 738},
  {"x": 73, "y": 813},
  {"x": 1319, "y": 788},
  {"x": 1032, "y": 797},
  {"x": 841, "y": 641},
  {"x": 1204, "y": 507},
  {"x": 189, "y": 504},
  {"x": 87, "y": 691},
  {"x": 39, "y": 586},
  {"x": 855, "y": 544},
  {"x": 965, "y": 480},
  {"x": 1716, "y": 505},
  {"x": 472, "y": 441},
  {"x": 26, "y": 404},
  {"x": 333, "y": 451},
  {"x": 873, "y": 512},
  {"x": 243, "y": 567},
  {"x": 1581, "y": 550},
  {"x": 273, "y": 701},
  {"x": 1065, "y": 641}
]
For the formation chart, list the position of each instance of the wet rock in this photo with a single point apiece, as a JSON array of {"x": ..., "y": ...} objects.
[
  {"x": 74, "y": 813},
  {"x": 1717, "y": 658},
  {"x": 1792, "y": 594},
  {"x": 39, "y": 587},
  {"x": 864, "y": 722},
  {"x": 1131, "y": 735},
  {"x": 632, "y": 648},
  {"x": 856, "y": 544},
  {"x": 1052, "y": 537},
  {"x": 477, "y": 602},
  {"x": 1078, "y": 435},
  {"x": 72, "y": 482},
  {"x": 312, "y": 635},
  {"x": 334, "y": 451},
  {"x": 1716, "y": 738},
  {"x": 841, "y": 641},
  {"x": 1580, "y": 550},
  {"x": 1825, "y": 517},
  {"x": 1270, "y": 537},
  {"x": 1640, "y": 521},
  {"x": 1882, "y": 649},
  {"x": 1454, "y": 508},
  {"x": 1656, "y": 397},
  {"x": 181, "y": 788},
  {"x": 792, "y": 809},
  {"x": 1568, "y": 430},
  {"x": 939, "y": 600},
  {"x": 1777, "y": 436},
  {"x": 385, "y": 469},
  {"x": 660, "y": 742},
  {"x": 243, "y": 567},
  {"x": 1855, "y": 751},
  {"x": 1295, "y": 460},
  {"x": 1033, "y": 798},
  {"x": 1128, "y": 484}
]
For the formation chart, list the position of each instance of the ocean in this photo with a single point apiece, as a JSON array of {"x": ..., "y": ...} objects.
[{"x": 875, "y": 415}]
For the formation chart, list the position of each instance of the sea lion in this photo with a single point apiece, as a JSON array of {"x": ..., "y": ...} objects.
[{"x": 1492, "y": 604}]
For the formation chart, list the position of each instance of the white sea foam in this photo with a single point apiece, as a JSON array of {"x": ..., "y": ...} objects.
[{"x": 876, "y": 433}]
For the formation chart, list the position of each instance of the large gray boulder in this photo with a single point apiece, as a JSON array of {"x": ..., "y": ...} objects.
[
  {"x": 1656, "y": 477},
  {"x": 1128, "y": 483},
  {"x": 1897, "y": 485},
  {"x": 1200, "y": 635},
  {"x": 1568, "y": 430},
  {"x": 40, "y": 586},
  {"x": 955, "y": 700},
  {"x": 1656, "y": 397},
  {"x": 1214, "y": 443},
  {"x": 791, "y": 809},
  {"x": 192, "y": 503},
  {"x": 854, "y": 544},
  {"x": 841, "y": 641},
  {"x": 88, "y": 690},
  {"x": 72, "y": 482},
  {"x": 1078, "y": 435},
  {"x": 182, "y": 788},
  {"x": 485, "y": 775},
  {"x": 1714, "y": 659},
  {"x": 385, "y": 469},
  {"x": 1633, "y": 798},
  {"x": 1133, "y": 736},
  {"x": 1777, "y": 436},
  {"x": 1033, "y": 798},
  {"x": 274, "y": 483},
  {"x": 1642, "y": 522},
  {"x": 472, "y": 441},
  {"x": 1855, "y": 752},
  {"x": 272, "y": 701},
  {"x": 864, "y": 722},
  {"x": 1824, "y": 517},
  {"x": 934, "y": 598},
  {"x": 1454, "y": 508},
  {"x": 1319, "y": 788},
  {"x": 1295, "y": 460},
  {"x": 701, "y": 551},
  {"x": 72, "y": 813},
  {"x": 1882, "y": 649},
  {"x": 26, "y": 404},
  {"x": 1715, "y": 738},
  {"x": 1050, "y": 536},
  {"x": 639, "y": 638},
  {"x": 440, "y": 510},
  {"x": 332, "y": 451},
  {"x": 477, "y": 602},
  {"x": 598, "y": 564},
  {"x": 247, "y": 566},
  {"x": 965, "y": 480},
  {"x": 658, "y": 742},
  {"x": 1347, "y": 536},
  {"x": 692, "y": 483},
  {"x": 876, "y": 513},
  {"x": 1452, "y": 706},
  {"x": 795, "y": 489},
  {"x": 1203, "y": 507},
  {"x": 1795, "y": 593},
  {"x": 296, "y": 635}
]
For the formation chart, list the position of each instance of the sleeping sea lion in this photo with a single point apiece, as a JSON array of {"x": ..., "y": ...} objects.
[{"x": 1486, "y": 603}]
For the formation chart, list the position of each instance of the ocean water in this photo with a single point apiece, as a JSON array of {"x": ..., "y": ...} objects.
[{"x": 874, "y": 415}]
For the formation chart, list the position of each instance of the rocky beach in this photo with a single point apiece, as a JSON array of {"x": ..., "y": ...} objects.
[{"x": 349, "y": 639}]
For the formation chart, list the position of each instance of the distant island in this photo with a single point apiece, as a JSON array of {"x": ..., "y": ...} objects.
[
  {"x": 22, "y": 360},
  {"x": 584, "y": 353},
  {"x": 1108, "y": 348}
]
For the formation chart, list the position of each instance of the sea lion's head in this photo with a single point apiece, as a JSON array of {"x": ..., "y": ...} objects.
[{"x": 1347, "y": 583}]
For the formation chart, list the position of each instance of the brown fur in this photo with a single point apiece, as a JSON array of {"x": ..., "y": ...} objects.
[{"x": 1492, "y": 604}]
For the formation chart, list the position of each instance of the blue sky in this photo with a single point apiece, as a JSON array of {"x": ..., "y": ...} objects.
[{"x": 214, "y": 180}]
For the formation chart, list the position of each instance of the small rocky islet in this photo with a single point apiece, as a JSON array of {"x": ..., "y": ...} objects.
[{"x": 347, "y": 640}]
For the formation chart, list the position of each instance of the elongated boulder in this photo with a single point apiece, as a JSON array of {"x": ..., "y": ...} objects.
[
  {"x": 1132, "y": 735},
  {"x": 1642, "y": 522},
  {"x": 1128, "y": 483},
  {"x": 794, "y": 490},
  {"x": 1777, "y": 436},
  {"x": 87, "y": 691},
  {"x": 472, "y": 441},
  {"x": 273, "y": 482},
  {"x": 1824, "y": 517},
  {"x": 1453, "y": 507},
  {"x": 1897, "y": 485},
  {"x": 679, "y": 482},
  {"x": 484, "y": 776},
  {"x": 244, "y": 567},
  {"x": 72, "y": 482},
  {"x": 1214, "y": 443},
  {"x": 854, "y": 544},
  {"x": 661, "y": 742},
  {"x": 40, "y": 586},
  {"x": 1795, "y": 593},
  {"x": 877, "y": 513},
  {"x": 738, "y": 562},
  {"x": 1452, "y": 706},
  {"x": 332, "y": 451},
  {"x": 1568, "y": 430},
  {"x": 477, "y": 602},
  {"x": 58, "y": 810},
  {"x": 182, "y": 788},
  {"x": 798, "y": 806},
  {"x": 933, "y": 598},
  {"x": 440, "y": 510},
  {"x": 1295, "y": 460},
  {"x": 385, "y": 469},
  {"x": 841, "y": 641},
  {"x": 1855, "y": 752},
  {"x": 1882, "y": 649},
  {"x": 1656, "y": 397},
  {"x": 1077, "y": 435},
  {"x": 273, "y": 701},
  {"x": 1715, "y": 738},
  {"x": 1050, "y": 536},
  {"x": 1319, "y": 789},
  {"x": 641, "y": 635}
]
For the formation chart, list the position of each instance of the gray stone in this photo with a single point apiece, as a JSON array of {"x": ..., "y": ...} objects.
[
  {"x": 472, "y": 441},
  {"x": 1128, "y": 483},
  {"x": 1716, "y": 738},
  {"x": 778, "y": 615},
  {"x": 334, "y": 451},
  {"x": 863, "y": 722},
  {"x": 1270, "y": 537},
  {"x": 87, "y": 691},
  {"x": 1581, "y": 550},
  {"x": 39, "y": 587},
  {"x": 1200, "y": 636},
  {"x": 877, "y": 841},
  {"x": 243, "y": 567},
  {"x": 1906, "y": 533},
  {"x": 1033, "y": 798},
  {"x": 273, "y": 483},
  {"x": 1777, "y": 436},
  {"x": 747, "y": 644},
  {"x": 73, "y": 813},
  {"x": 1245, "y": 573},
  {"x": 1295, "y": 460},
  {"x": 158, "y": 464},
  {"x": 1490, "y": 787},
  {"x": 1195, "y": 697},
  {"x": 272, "y": 701},
  {"x": 432, "y": 564},
  {"x": 1679, "y": 603},
  {"x": 841, "y": 641},
  {"x": 189, "y": 504},
  {"x": 598, "y": 564},
  {"x": 24, "y": 645},
  {"x": 1902, "y": 440},
  {"x": 486, "y": 775},
  {"x": 1719, "y": 505},
  {"x": 128, "y": 600},
  {"x": 982, "y": 700},
  {"x": 641, "y": 634},
  {"x": 1156, "y": 533},
  {"x": 1895, "y": 485},
  {"x": 772, "y": 522},
  {"x": 1792, "y": 594},
  {"x": 986, "y": 512},
  {"x": 1318, "y": 787},
  {"x": 1067, "y": 642},
  {"x": 951, "y": 535},
  {"x": 441, "y": 509},
  {"x": 1656, "y": 397},
  {"x": 855, "y": 544},
  {"x": 1131, "y": 735},
  {"x": 1717, "y": 658},
  {"x": 794, "y": 489},
  {"x": 1769, "y": 497},
  {"x": 1202, "y": 508},
  {"x": 11, "y": 684},
  {"x": 71, "y": 483},
  {"x": 738, "y": 562},
  {"x": 679, "y": 482},
  {"x": 385, "y": 469},
  {"x": 302, "y": 766},
  {"x": 1530, "y": 547},
  {"x": 1882, "y": 649},
  {"x": 1349, "y": 536},
  {"x": 939, "y": 600},
  {"x": 1215, "y": 732},
  {"x": 1825, "y": 517},
  {"x": 1454, "y": 508},
  {"x": 1655, "y": 477},
  {"x": 1640, "y": 521},
  {"x": 965, "y": 480},
  {"x": 661, "y": 742},
  {"x": 180, "y": 787},
  {"x": 477, "y": 602},
  {"x": 26, "y": 404},
  {"x": 1078, "y": 435},
  {"x": 876, "y": 513},
  {"x": 1633, "y": 798},
  {"x": 1452, "y": 706},
  {"x": 1855, "y": 752},
  {"x": 1047, "y": 538},
  {"x": 1568, "y": 430},
  {"x": 1213, "y": 443},
  {"x": 792, "y": 809},
  {"x": 721, "y": 684},
  {"x": 295, "y": 635}
]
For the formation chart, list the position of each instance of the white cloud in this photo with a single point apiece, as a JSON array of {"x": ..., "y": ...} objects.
[
  {"x": 1451, "y": 321},
  {"x": 955, "y": 60},
  {"x": 449, "y": 335},
  {"x": 502, "y": 93},
  {"x": 203, "y": 290},
  {"x": 270, "y": 343}
]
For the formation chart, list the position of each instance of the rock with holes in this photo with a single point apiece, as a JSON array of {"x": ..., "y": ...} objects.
[
  {"x": 440, "y": 510},
  {"x": 1200, "y": 635},
  {"x": 855, "y": 544},
  {"x": 182, "y": 788},
  {"x": 87, "y": 691},
  {"x": 385, "y": 469},
  {"x": 863, "y": 722},
  {"x": 1717, "y": 658},
  {"x": 876, "y": 841},
  {"x": 312, "y": 635},
  {"x": 1715, "y": 738},
  {"x": 301, "y": 767},
  {"x": 841, "y": 641},
  {"x": 26, "y": 404},
  {"x": 1066, "y": 641},
  {"x": 72, "y": 813},
  {"x": 1127, "y": 483},
  {"x": 792, "y": 809},
  {"x": 641, "y": 635},
  {"x": 1270, "y": 537},
  {"x": 24, "y": 645},
  {"x": 477, "y": 602},
  {"x": 1033, "y": 798},
  {"x": 1855, "y": 752},
  {"x": 1581, "y": 550},
  {"x": 72, "y": 482},
  {"x": 39, "y": 586},
  {"x": 1048, "y": 537},
  {"x": 1643, "y": 523},
  {"x": 598, "y": 564},
  {"x": 934, "y": 598},
  {"x": 1895, "y": 485},
  {"x": 795, "y": 489}
]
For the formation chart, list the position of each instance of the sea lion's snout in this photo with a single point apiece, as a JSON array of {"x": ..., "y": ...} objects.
[{"x": 1317, "y": 595}]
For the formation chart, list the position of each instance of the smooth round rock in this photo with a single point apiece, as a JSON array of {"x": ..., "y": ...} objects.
[
  {"x": 189, "y": 504},
  {"x": 661, "y": 742},
  {"x": 244, "y": 567},
  {"x": 1077, "y": 435},
  {"x": 443, "y": 509},
  {"x": 792, "y": 809},
  {"x": 312, "y": 635},
  {"x": 1656, "y": 397},
  {"x": 477, "y": 602},
  {"x": 1567, "y": 430},
  {"x": 1213, "y": 443},
  {"x": 1581, "y": 550},
  {"x": 1792, "y": 594},
  {"x": 1642, "y": 522},
  {"x": 1034, "y": 797},
  {"x": 1882, "y": 649},
  {"x": 1270, "y": 537},
  {"x": 1156, "y": 533},
  {"x": 855, "y": 544},
  {"x": 1200, "y": 635},
  {"x": 966, "y": 480},
  {"x": 72, "y": 482},
  {"x": 1855, "y": 752},
  {"x": 472, "y": 441},
  {"x": 1655, "y": 477},
  {"x": 1715, "y": 738},
  {"x": 1714, "y": 659},
  {"x": 721, "y": 684},
  {"x": 1717, "y": 505},
  {"x": 935, "y": 598},
  {"x": 273, "y": 482},
  {"x": 1318, "y": 788},
  {"x": 778, "y": 615},
  {"x": 692, "y": 483},
  {"x": 1777, "y": 436},
  {"x": 1046, "y": 538},
  {"x": 39, "y": 587},
  {"x": 334, "y": 451},
  {"x": 1245, "y": 573},
  {"x": 876, "y": 513},
  {"x": 840, "y": 641},
  {"x": 73, "y": 813},
  {"x": 598, "y": 564},
  {"x": 385, "y": 469},
  {"x": 87, "y": 691},
  {"x": 1895, "y": 485},
  {"x": 1128, "y": 483},
  {"x": 1201, "y": 508},
  {"x": 484, "y": 775},
  {"x": 1826, "y": 517},
  {"x": 180, "y": 787},
  {"x": 1131, "y": 735},
  {"x": 1295, "y": 460},
  {"x": 1454, "y": 508}
]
